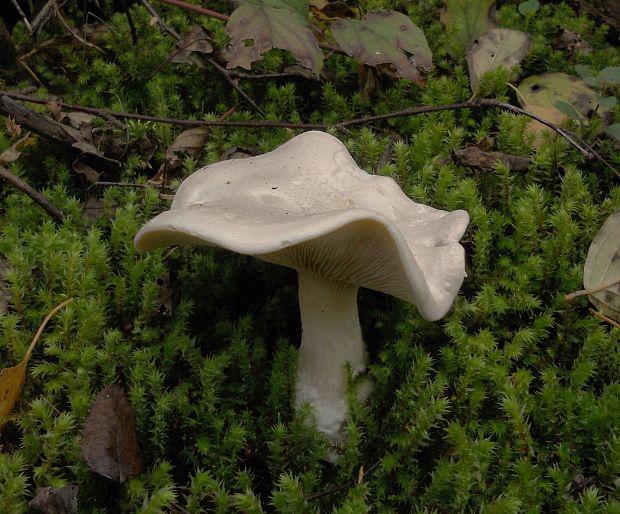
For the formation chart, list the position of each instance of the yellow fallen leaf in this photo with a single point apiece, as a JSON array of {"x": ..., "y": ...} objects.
[{"x": 12, "y": 379}]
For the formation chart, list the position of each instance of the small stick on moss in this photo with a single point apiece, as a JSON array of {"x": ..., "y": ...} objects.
[
  {"x": 72, "y": 31},
  {"x": 588, "y": 292},
  {"x": 482, "y": 103},
  {"x": 164, "y": 28},
  {"x": 197, "y": 9},
  {"x": 23, "y": 186},
  {"x": 602, "y": 317}
]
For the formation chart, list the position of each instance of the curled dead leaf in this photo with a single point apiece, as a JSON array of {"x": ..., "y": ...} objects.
[
  {"x": 197, "y": 40},
  {"x": 13, "y": 128},
  {"x": 188, "y": 143},
  {"x": 572, "y": 42},
  {"x": 12, "y": 379},
  {"x": 88, "y": 172},
  {"x": 474, "y": 157},
  {"x": 13, "y": 152}
]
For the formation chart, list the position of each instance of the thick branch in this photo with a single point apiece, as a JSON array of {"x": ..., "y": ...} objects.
[{"x": 34, "y": 121}]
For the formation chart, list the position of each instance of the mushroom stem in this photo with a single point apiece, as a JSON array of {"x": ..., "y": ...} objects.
[{"x": 331, "y": 337}]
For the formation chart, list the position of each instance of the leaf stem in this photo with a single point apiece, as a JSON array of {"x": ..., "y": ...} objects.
[{"x": 52, "y": 313}]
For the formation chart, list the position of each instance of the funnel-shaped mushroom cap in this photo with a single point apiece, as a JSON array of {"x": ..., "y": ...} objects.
[{"x": 307, "y": 205}]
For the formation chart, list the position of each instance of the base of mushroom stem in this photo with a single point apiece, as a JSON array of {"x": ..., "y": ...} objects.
[{"x": 328, "y": 417}]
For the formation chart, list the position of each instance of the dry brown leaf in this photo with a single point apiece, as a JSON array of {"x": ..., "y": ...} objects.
[
  {"x": 55, "y": 109},
  {"x": 474, "y": 157},
  {"x": 90, "y": 173},
  {"x": 12, "y": 379},
  {"x": 572, "y": 42},
  {"x": 13, "y": 128},
  {"x": 109, "y": 443},
  {"x": 55, "y": 500},
  {"x": 197, "y": 40},
  {"x": 13, "y": 152},
  {"x": 77, "y": 119},
  {"x": 188, "y": 143}
]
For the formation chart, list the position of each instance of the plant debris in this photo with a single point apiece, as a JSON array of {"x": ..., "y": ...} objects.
[{"x": 109, "y": 443}]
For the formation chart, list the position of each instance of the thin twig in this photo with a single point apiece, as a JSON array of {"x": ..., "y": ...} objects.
[
  {"x": 73, "y": 32},
  {"x": 117, "y": 184},
  {"x": 236, "y": 86},
  {"x": 23, "y": 186},
  {"x": 163, "y": 27},
  {"x": 483, "y": 103},
  {"x": 22, "y": 15},
  {"x": 51, "y": 314},
  {"x": 602, "y": 317},
  {"x": 197, "y": 9},
  {"x": 588, "y": 292},
  {"x": 45, "y": 14}
]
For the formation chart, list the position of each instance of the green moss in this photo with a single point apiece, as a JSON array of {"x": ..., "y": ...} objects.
[{"x": 509, "y": 404}]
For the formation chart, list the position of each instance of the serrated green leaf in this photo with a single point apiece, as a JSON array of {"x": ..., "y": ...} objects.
[
  {"x": 606, "y": 102},
  {"x": 602, "y": 268},
  {"x": 546, "y": 89},
  {"x": 568, "y": 109},
  {"x": 529, "y": 7},
  {"x": 583, "y": 70},
  {"x": 494, "y": 49},
  {"x": 260, "y": 25},
  {"x": 613, "y": 131},
  {"x": 465, "y": 20},
  {"x": 592, "y": 81},
  {"x": 385, "y": 38},
  {"x": 610, "y": 76}
]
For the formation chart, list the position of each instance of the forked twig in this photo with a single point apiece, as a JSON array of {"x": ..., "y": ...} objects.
[
  {"x": 71, "y": 31},
  {"x": 164, "y": 28},
  {"x": 483, "y": 103}
]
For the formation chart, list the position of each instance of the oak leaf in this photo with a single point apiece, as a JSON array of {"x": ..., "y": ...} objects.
[
  {"x": 257, "y": 26},
  {"x": 385, "y": 38}
]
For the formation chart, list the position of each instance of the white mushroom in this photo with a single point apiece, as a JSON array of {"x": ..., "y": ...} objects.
[{"x": 307, "y": 205}]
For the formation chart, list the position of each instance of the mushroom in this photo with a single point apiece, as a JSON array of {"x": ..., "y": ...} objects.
[{"x": 308, "y": 206}]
